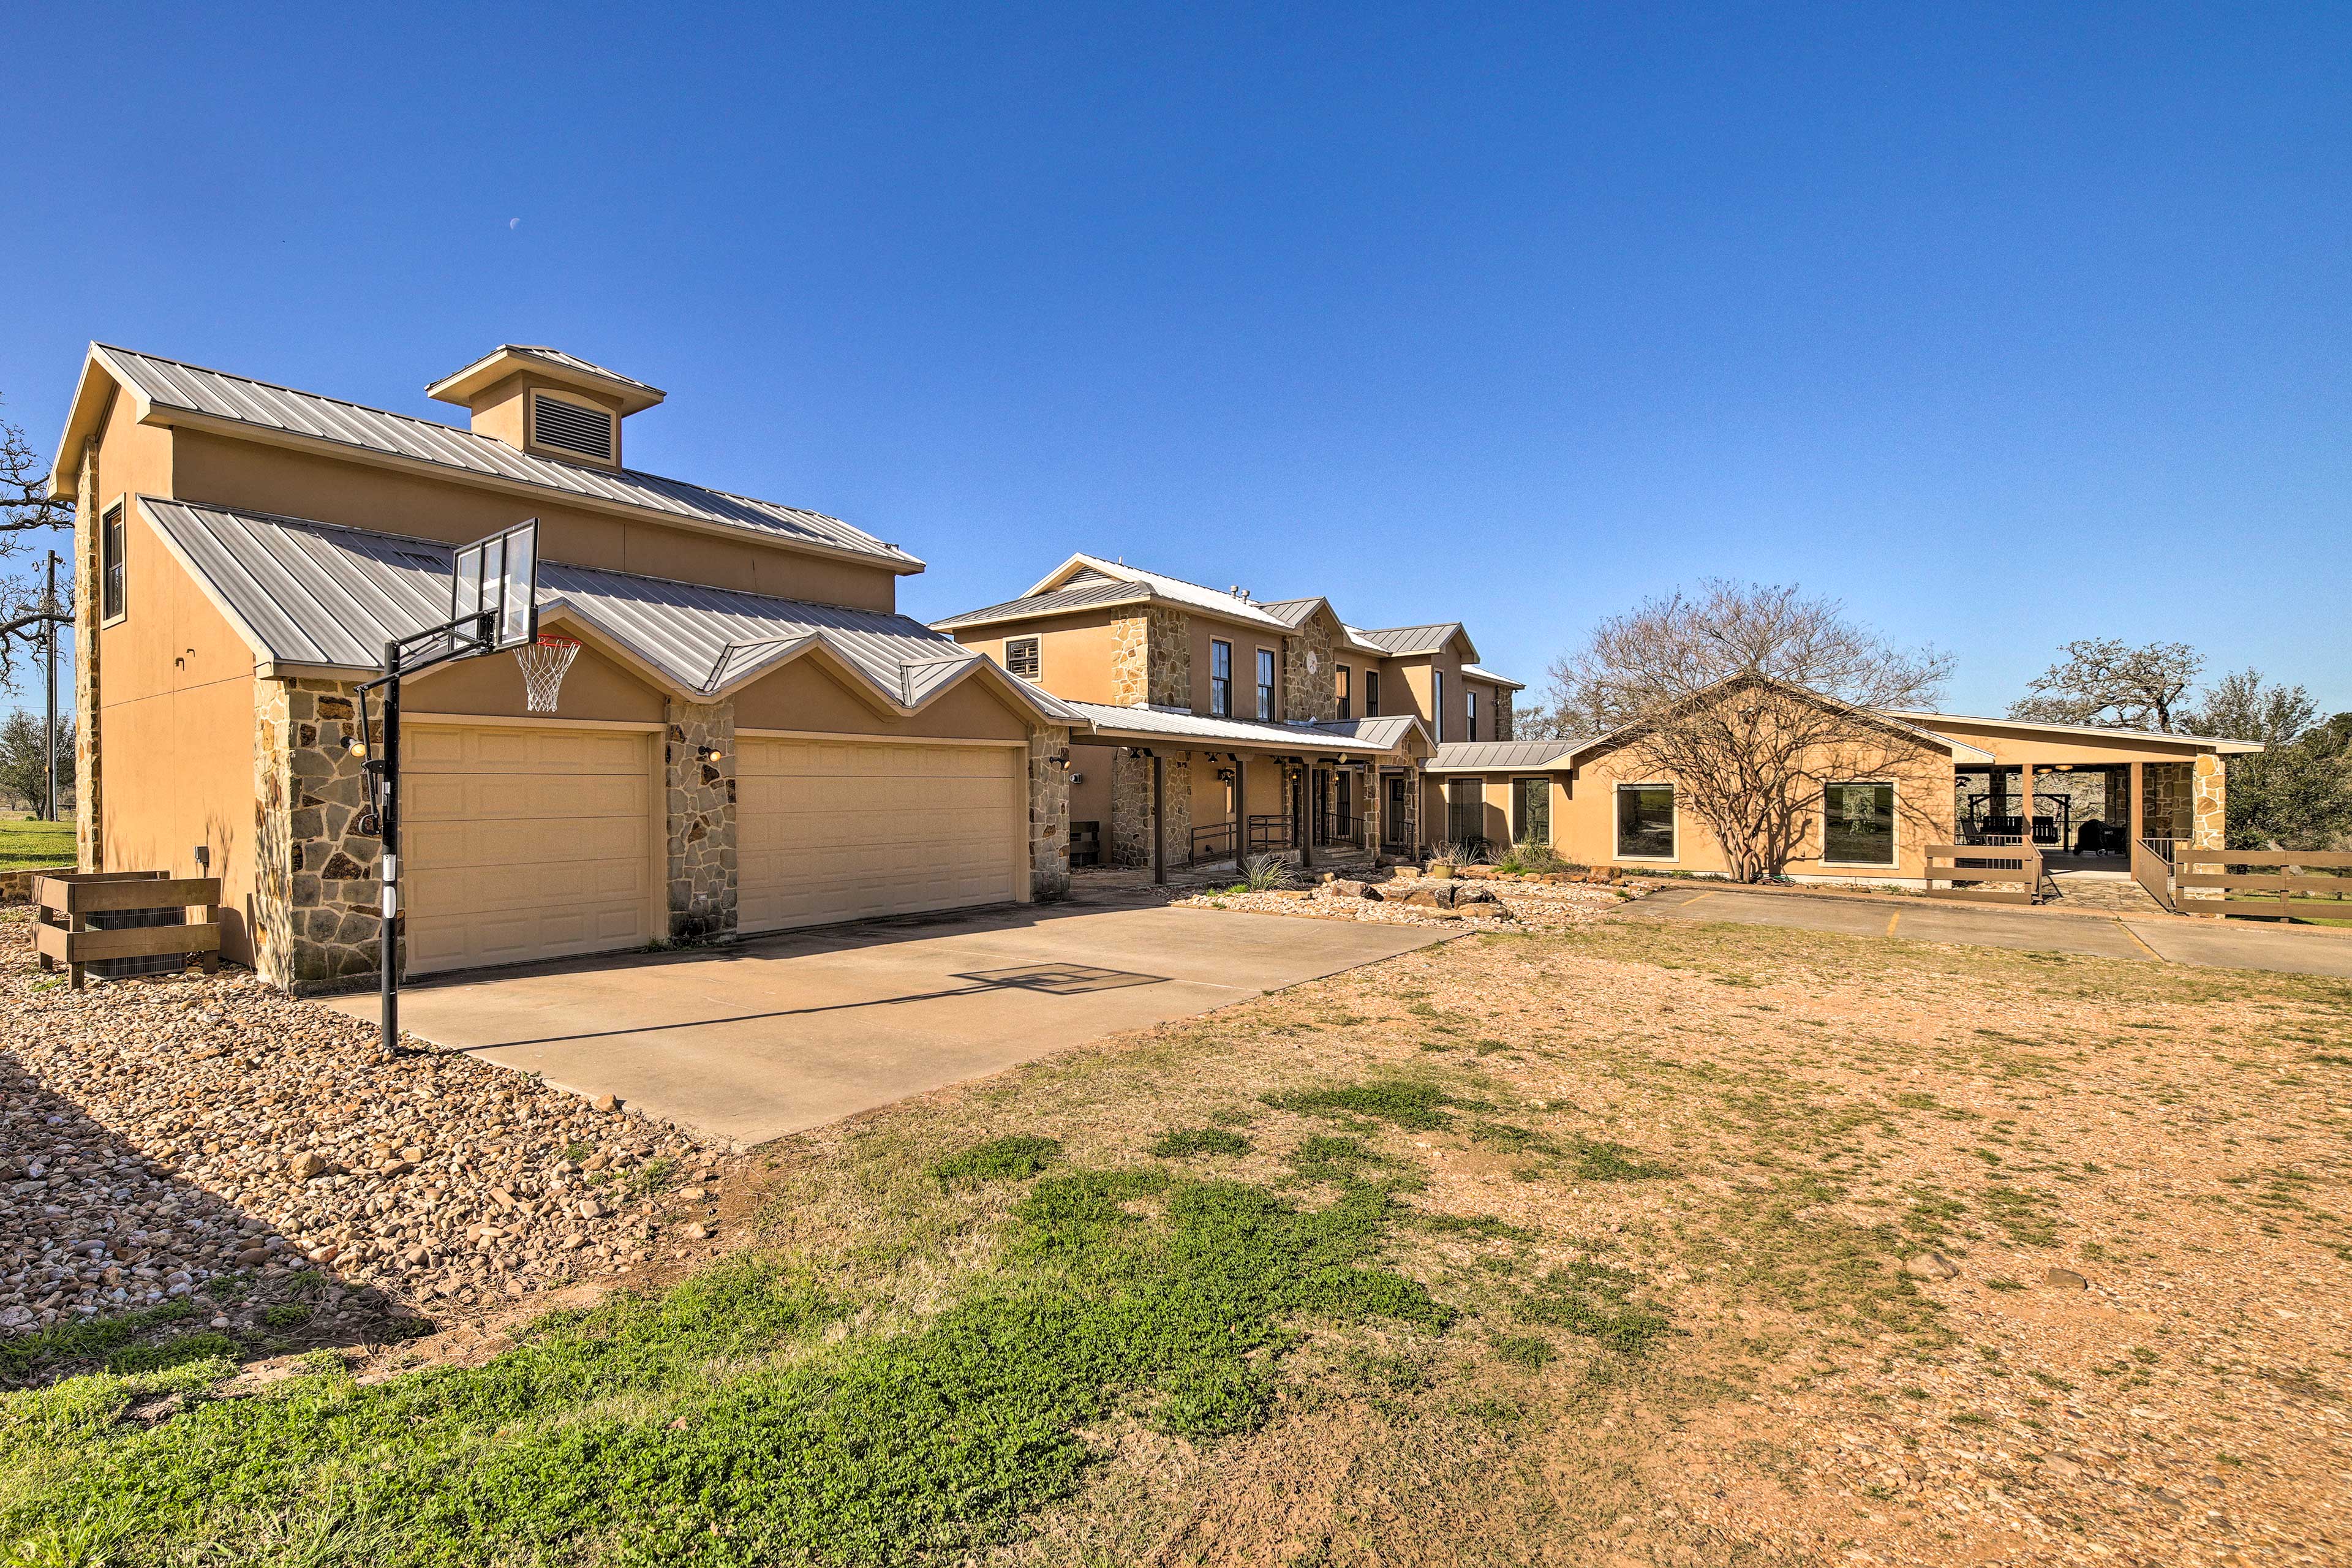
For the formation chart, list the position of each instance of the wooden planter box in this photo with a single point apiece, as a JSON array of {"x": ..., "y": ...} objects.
[{"x": 67, "y": 899}]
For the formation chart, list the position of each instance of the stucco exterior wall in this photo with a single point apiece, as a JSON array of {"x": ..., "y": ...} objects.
[
  {"x": 806, "y": 695},
  {"x": 232, "y": 472},
  {"x": 595, "y": 687},
  {"x": 1246, "y": 641},
  {"x": 1078, "y": 655}
]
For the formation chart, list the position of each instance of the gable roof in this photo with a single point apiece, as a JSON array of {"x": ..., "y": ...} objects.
[
  {"x": 1176, "y": 723},
  {"x": 1293, "y": 613},
  {"x": 171, "y": 392},
  {"x": 458, "y": 385},
  {"x": 1174, "y": 589},
  {"x": 1087, "y": 596},
  {"x": 1480, "y": 672},
  {"x": 323, "y": 596},
  {"x": 1885, "y": 717},
  {"x": 1396, "y": 640}
]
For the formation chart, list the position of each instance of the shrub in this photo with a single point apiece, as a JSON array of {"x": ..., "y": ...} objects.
[{"x": 1263, "y": 873}]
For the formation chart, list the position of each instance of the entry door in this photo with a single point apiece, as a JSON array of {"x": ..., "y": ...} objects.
[{"x": 1392, "y": 823}]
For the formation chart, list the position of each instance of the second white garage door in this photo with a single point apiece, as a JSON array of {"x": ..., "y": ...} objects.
[
  {"x": 840, "y": 831},
  {"x": 526, "y": 843}
]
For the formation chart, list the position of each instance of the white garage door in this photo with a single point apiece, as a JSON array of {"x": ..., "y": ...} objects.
[
  {"x": 839, "y": 831},
  {"x": 525, "y": 843}
]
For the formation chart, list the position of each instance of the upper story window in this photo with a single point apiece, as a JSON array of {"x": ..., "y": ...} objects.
[
  {"x": 1221, "y": 677},
  {"x": 1470, "y": 715},
  {"x": 1265, "y": 683},
  {"x": 1021, "y": 658},
  {"x": 570, "y": 427},
  {"x": 112, "y": 598},
  {"x": 1371, "y": 694},
  {"x": 1342, "y": 688}
]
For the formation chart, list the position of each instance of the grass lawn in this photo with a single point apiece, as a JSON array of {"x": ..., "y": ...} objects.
[
  {"x": 24, "y": 842},
  {"x": 1577, "y": 1247}
]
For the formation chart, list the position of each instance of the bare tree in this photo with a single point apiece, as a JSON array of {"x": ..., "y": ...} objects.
[
  {"x": 27, "y": 510},
  {"x": 1753, "y": 699},
  {"x": 2104, "y": 680},
  {"x": 1543, "y": 722},
  {"x": 2244, "y": 706}
]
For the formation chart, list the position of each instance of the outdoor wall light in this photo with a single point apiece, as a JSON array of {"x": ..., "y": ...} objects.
[
  {"x": 708, "y": 754},
  {"x": 1062, "y": 759}
]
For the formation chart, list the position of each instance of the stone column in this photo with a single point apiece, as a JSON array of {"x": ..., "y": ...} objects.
[
  {"x": 1502, "y": 714},
  {"x": 1131, "y": 810},
  {"x": 1049, "y": 813},
  {"x": 90, "y": 777},
  {"x": 315, "y": 876},
  {"x": 2209, "y": 816},
  {"x": 701, "y": 790}
]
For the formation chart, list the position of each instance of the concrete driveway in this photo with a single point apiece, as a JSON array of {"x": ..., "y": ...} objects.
[
  {"x": 2168, "y": 939},
  {"x": 783, "y": 1033}
]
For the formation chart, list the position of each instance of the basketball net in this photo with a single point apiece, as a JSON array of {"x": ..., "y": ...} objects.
[{"x": 543, "y": 664}]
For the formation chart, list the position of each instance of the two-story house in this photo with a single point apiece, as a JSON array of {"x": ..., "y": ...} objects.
[
  {"x": 1219, "y": 724},
  {"x": 752, "y": 738}
]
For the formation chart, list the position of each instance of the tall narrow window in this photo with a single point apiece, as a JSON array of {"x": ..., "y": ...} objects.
[
  {"x": 1646, "y": 822},
  {"x": 1021, "y": 657},
  {"x": 1437, "y": 705},
  {"x": 1858, "y": 827},
  {"x": 1221, "y": 677},
  {"x": 1265, "y": 683},
  {"x": 112, "y": 599},
  {"x": 1342, "y": 688},
  {"x": 1371, "y": 694},
  {"x": 1470, "y": 716},
  {"x": 1531, "y": 811}
]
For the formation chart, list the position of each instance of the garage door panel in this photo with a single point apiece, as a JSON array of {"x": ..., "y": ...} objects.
[
  {"x": 525, "y": 844},
  {"x": 831, "y": 831}
]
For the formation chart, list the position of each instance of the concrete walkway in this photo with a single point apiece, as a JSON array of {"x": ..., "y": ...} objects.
[
  {"x": 2170, "y": 939},
  {"x": 783, "y": 1033}
]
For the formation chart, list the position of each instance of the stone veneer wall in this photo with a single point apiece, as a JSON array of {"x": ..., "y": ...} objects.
[
  {"x": 701, "y": 810},
  {"x": 1503, "y": 715},
  {"x": 1130, "y": 809},
  {"x": 1151, "y": 658},
  {"x": 315, "y": 911},
  {"x": 1049, "y": 813},
  {"x": 1309, "y": 694},
  {"x": 2167, "y": 813}
]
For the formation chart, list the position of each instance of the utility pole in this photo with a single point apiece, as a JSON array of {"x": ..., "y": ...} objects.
[{"x": 50, "y": 643}]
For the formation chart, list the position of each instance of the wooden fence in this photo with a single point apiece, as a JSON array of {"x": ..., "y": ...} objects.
[
  {"x": 2017, "y": 865},
  {"x": 2296, "y": 893},
  {"x": 2151, "y": 868},
  {"x": 67, "y": 899}
]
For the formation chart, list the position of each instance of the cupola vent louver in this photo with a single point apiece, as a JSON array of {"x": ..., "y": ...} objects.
[{"x": 571, "y": 428}]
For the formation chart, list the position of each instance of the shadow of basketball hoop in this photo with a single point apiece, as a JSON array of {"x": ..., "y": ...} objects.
[
  {"x": 1059, "y": 979},
  {"x": 1036, "y": 979}
]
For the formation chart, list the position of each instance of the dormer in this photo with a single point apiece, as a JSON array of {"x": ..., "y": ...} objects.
[{"x": 548, "y": 402}]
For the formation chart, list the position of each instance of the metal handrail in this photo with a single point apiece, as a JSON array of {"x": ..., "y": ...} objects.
[
  {"x": 1270, "y": 832},
  {"x": 1212, "y": 842}
]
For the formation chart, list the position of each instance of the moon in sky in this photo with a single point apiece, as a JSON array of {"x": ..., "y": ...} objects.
[{"x": 514, "y": 223}]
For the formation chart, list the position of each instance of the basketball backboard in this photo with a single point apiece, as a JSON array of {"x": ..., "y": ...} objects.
[{"x": 492, "y": 591}]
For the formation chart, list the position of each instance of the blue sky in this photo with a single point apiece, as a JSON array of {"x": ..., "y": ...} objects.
[{"x": 2005, "y": 328}]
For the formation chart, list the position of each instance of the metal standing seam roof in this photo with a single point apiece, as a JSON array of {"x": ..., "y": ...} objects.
[
  {"x": 1386, "y": 730},
  {"x": 1480, "y": 672},
  {"x": 1293, "y": 612},
  {"x": 1408, "y": 639},
  {"x": 1052, "y": 602},
  {"x": 1175, "y": 588},
  {"x": 1247, "y": 731},
  {"x": 556, "y": 357},
  {"x": 318, "y": 594},
  {"x": 1475, "y": 756},
  {"x": 171, "y": 384},
  {"x": 2114, "y": 732}
]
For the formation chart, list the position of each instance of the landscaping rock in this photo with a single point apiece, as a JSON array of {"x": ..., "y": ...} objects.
[
  {"x": 2057, "y": 1278},
  {"x": 1930, "y": 1266},
  {"x": 1341, "y": 887},
  {"x": 305, "y": 1166}
]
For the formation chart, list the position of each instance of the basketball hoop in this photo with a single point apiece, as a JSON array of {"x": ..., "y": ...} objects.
[{"x": 544, "y": 663}]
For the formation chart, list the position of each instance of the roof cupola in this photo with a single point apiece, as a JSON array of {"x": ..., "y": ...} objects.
[{"x": 550, "y": 404}]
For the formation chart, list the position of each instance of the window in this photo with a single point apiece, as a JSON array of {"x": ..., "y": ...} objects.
[
  {"x": 1265, "y": 683},
  {"x": 1531, "y": 811},
  {"x": 1221, "y": 677},
  {"x": 112, "y": 601},
  {"x": 1371, "y": 694},
  {"x": 1342, "y": 688},
  {"x": 1465, "y": 811},
  {"x": 1021, "y": 657},
  {"x": 1646, "y": 822},
  {"x": 1470, "y": 715},
  {"x": 571, "y": 427},
  {"x": 1858, "y": 825},
  {"x": 1437, "y": 704}
]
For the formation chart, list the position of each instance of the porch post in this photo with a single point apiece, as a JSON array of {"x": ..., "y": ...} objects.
[
  {"x": 1305, "y": 818},
  {"x": 1159, "y": 820},
  {"x": 2025, "y": 800},
  {"x": 1241, "y": 814},
  {"x": 2138, "y": 802}
]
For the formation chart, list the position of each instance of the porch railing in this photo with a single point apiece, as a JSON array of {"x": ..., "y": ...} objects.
[
  {"x": 1973, "y": 869},
  {"x": 2242, "y": 893},
  {"x": 1214, "y": 842},
  {"x": 1336, "y": 827},
  {"x": 1270, "y": 833}
]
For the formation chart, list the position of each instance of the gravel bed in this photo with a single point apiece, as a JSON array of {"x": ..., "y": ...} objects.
[
  {"x": 209, "y": 1138},
  {"x": 1525, "y": 906}
]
